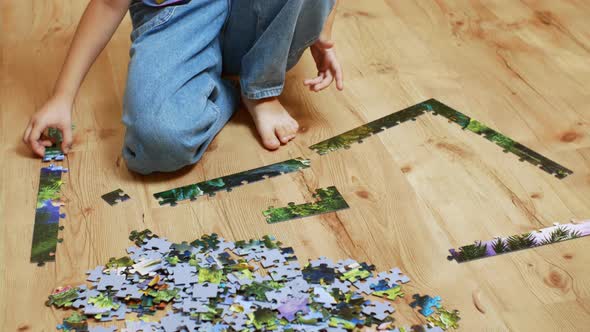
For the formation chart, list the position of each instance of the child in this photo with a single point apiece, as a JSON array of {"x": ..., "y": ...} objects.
[{"x": 175, "y": 100}]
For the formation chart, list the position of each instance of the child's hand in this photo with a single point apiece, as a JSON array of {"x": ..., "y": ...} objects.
[
  {"x": 328, "y": 66},
  {"x": 56, "y": 113}
]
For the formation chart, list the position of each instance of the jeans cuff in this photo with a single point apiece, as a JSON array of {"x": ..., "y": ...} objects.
[{"x": 263, "y": 93}]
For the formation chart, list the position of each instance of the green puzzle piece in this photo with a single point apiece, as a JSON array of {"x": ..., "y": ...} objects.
[
  {"x": 63, "y": 298},
  {"x": 329, "y": 200},
  {"x": 391, "y": 294},
  {"x": 445, "y": 319}
]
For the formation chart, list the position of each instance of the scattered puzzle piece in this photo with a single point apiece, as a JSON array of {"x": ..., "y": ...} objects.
[
  {"x": 291, "y": 307},
  {"x": 391, "y": 293},
  {"x": 319, "y": 274},
  {"x": 378, "y": 310},
  {"x": 63, "y": 297},
  {"x": 102, "y": 329},
  {"x": 115, "y": 196},
  {"x": 75, "y": 322},
  {"x": 111, "y": 281},
  {"x": 426, "y": 303},
  {"x": 445, "y": 319}
]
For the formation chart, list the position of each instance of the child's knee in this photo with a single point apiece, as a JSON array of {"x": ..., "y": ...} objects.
[
  {"x": 162, "y": 145},
  {"x": 170, "y": 127},
  {"x": 157, "y": 149}
]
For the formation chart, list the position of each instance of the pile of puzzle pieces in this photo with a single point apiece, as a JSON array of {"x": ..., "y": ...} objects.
[{"x": 215, "y": 285}]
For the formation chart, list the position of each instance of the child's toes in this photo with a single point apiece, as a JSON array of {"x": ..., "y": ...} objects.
[
  {"x": 284, "y": 133},
  {"x": 294, "y": 127},
  {"x": 269, "y": 139}
]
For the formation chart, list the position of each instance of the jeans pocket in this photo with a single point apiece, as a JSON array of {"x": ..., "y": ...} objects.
[{"x": 145, "y": 18}]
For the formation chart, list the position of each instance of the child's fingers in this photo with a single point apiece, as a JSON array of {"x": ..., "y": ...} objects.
[
  {"x": 339, "y": 76},
  {"x": 67, "y": 135},
  {"x": 36, "y": 145},
  {"x": 325, "y": 83},
  {"x": 326, "y": 44},
  {"x": 27, "y": 133},
  {"x": 314, "y": 81}
]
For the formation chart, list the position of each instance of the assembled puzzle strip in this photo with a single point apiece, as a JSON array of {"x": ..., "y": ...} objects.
[
  {"x": 329, "y": 200},
  {"x": 506, "y": 143},
  {"x": 215, "y": 285},
  {"x": 344, "y": 140},
  {"x": 432, "y": 105},
  {"x": 47, "y": 215},
  {"x": 498, "y": 246},
  {"x": 210, "y": 187}
]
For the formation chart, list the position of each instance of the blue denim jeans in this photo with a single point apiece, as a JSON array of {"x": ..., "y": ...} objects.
[{"x": 176, "y": 101}]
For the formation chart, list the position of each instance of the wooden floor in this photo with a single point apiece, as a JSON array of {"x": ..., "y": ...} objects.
[{"x": 522, "y": 67}]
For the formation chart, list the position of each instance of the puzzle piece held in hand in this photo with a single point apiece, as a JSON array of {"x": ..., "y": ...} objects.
[
  {"x": 53, "y": 153},
  {"x": 426, "y": 303}
]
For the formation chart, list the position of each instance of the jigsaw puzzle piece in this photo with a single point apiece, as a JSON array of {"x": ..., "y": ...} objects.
[
  {"x": 160, "y": 245},
  {"x": 394, "y": 276},
  {"x": 378, "y": 310},
  {"x": 115, "y": 196},
  {"x": 174, "y": 322},
  {"x": 418, "y": 328},
  {"x": 182, "y": 274},
  {"x": 445, "y": 319},
  {"x": 285, "y": 272},
  {"x": 95, "y": 274},
  {"x": 99, "y": 328},
  {"x": 204, "y": 292},
  {"x": 140, "y": 237},
  {"x": 322, "y": 296},
  {"x": 292, "y": 306},
  {"x": 271, "y": 257},
  {"x": 111, "y": 281},
  {"x": 390, "y": 293},
  {"x": 426, "y": 303},
  {"x": 129, "y": 291},
  {"x": 140, "y": 326},
  {"x": 319, "y": 274}
]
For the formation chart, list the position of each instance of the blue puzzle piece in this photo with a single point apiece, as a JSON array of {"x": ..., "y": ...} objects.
[{"x": 426, "y": 303}]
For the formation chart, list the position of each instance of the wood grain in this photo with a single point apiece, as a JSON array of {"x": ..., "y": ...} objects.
[{"x": 415, "y": 191}]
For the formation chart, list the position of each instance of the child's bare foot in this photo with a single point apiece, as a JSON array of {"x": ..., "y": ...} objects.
[{"x": 274, "y": 124}]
